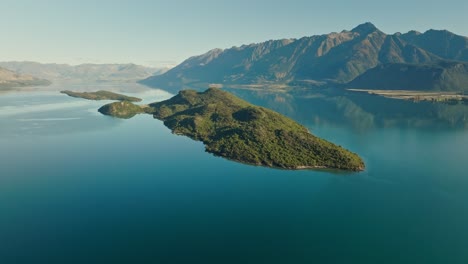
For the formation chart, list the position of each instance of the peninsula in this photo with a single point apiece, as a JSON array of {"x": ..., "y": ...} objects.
[
  {"x": 101, "y": 95},
  {"x": 237, "y": 130}
]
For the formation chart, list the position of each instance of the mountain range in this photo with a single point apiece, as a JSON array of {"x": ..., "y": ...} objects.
[
  {"x": 362, "y": 56},
  {"x": 10, "y": 79},
  {"x": 440, "y": 76},
  {"x": 84, "y": 72}
]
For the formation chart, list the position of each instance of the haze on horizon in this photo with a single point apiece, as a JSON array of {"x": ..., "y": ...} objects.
[{"x": 164, "y": 33}]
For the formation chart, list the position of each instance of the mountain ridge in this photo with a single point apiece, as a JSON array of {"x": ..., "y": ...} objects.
[
  {"x": 443, "y": 76},
  {"x": 10, "y": 79},
  {"x": 335, "y": 58},
  {"x": 83, "y": 72}
]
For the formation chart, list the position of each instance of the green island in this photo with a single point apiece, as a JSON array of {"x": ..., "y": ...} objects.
[
  {"x": 101, "y": 95},
  {"x": 237, "y": 130},
  {"x": 123, "y": 109}
]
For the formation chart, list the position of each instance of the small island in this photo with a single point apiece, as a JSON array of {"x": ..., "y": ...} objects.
[
  {"x": 237, "y": 130},
  {"x": 124, "y": 109},
  {"x": 101, "y": 95}
]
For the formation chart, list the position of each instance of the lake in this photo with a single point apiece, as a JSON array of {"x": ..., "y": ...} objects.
[{"x": 79, "y": 187}]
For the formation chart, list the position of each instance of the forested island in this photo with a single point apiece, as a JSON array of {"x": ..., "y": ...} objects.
[
  {"x": 101, "y": 95},
  {"x": 237, "y": 130},
  {"x": 124, "y": 109}
]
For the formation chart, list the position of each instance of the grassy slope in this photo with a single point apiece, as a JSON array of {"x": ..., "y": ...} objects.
[{"x": 235, "y": 129}]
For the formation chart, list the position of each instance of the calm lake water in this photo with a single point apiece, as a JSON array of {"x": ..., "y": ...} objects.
[{"x": 79, "y": 187}]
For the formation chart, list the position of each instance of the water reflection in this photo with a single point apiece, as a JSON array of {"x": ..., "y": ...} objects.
[
  {"x": 359, "y": 111},
  {"x": 28, "y": 112},
  {"x": 139, "y": 194}
]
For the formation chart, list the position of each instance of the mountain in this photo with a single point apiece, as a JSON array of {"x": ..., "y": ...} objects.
[
  {"x": 442, "y": 43},
  {"x": 441, "y": 76},
  {"x": 83, "y": 72},
  {"x": 10, "y": 79},
  {"x": 335, "y": 58}
]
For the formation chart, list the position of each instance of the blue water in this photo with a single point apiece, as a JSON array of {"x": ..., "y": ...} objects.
[{"x": 79, "y": 187}]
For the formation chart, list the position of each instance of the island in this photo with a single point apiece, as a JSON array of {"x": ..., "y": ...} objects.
[
  {"x": 124, "y": 109},
  {"x": 101, "y": 95},
  {"x": 237, "y": 130}
]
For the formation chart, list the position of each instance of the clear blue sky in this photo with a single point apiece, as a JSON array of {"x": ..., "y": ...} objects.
[{"x": 157, "y": 32}]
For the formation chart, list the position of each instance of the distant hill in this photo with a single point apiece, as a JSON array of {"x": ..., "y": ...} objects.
[
  {"x": 335, "y": 58},
  {"x": 83, "y": 72},
  {"x": 10, "y": 79},
  {"x": 441, "y": 76}
]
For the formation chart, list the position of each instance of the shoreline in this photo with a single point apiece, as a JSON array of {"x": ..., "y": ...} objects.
[{"x": 416, "y": 96}]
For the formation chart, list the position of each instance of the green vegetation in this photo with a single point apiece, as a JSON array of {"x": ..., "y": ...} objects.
[
  {"x": 237, "y": 130},
  {"x": 122, "y": 109},
  {"x": 101, "y": 95}
]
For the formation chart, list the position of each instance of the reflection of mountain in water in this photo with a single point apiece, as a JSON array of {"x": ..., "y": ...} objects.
[{"x": 361, "y": 111}]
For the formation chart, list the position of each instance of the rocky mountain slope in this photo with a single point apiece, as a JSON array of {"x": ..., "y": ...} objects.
[
  {"x": 441, "y": 76},
  {"x": 335, "y": 58}
]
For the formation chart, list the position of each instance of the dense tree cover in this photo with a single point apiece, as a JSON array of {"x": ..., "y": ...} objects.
[
  {"x": 233, "y": 128},
  {"x": 101, "y": 95},
  {"x": 122, "y": 109}
]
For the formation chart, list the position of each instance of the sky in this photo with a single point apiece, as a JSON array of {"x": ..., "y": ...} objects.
[{"x": 164, "y": 33}]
